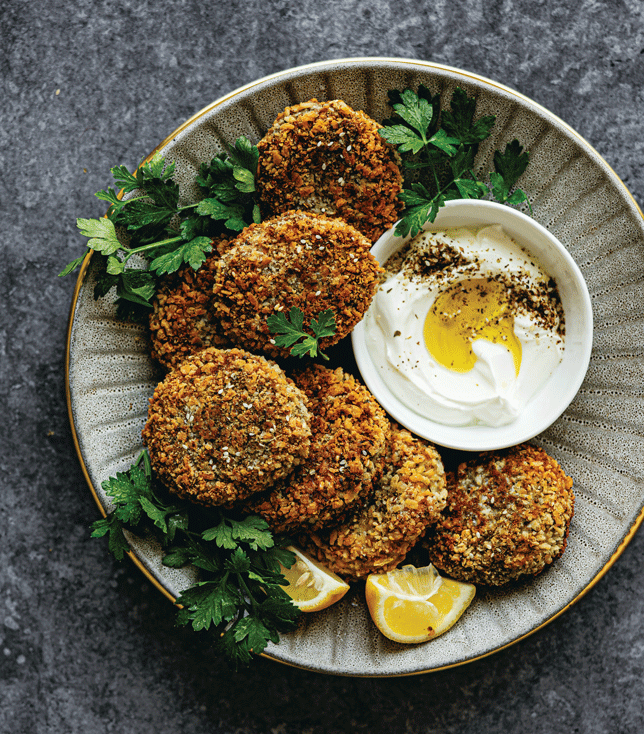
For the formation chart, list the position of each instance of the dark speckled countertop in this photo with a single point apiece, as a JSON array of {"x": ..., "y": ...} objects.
[{"x": 88, "y": 645}]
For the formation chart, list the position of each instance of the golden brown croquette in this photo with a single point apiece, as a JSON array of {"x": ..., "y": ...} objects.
[
  {"x": 327, "y": 158},
  {"x": 297, "y": 259},
  {"x": 225, "y": 424},
  {"x": 406, "y": 500},
  {"x": 181, "y": 322},
  {"x": 508, "y": 515},
  {"x": 348, "y": 432}
]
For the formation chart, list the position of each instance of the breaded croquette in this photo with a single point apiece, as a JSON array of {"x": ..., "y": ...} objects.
[
  {"x": 181, "y": 322},
  {"x": 348, "y": 433},
  {"x": 508, "y": 515},
  {"x": 225, "y": 424},
  {"x": 327, "y": 158},
  {"x": 297, "y": 259},
  {"x": 406, "y": 500}
]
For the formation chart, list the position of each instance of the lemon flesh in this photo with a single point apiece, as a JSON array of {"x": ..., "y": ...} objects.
[
  {"x": 311, "y": 586},
  {"x": 412, "y": 605}
]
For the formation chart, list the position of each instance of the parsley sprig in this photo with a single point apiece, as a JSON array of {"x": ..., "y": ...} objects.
[
  {"x": 148, "y": 221},
  {"x": 239, "y": 599},
  {"x": 290, "y": 332},
  {"x": 439, "y": 150}
]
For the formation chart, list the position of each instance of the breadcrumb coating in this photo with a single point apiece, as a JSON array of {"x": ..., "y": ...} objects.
[
  {"x": 508, "y": 515},
  {"x": 348, "y": 434},
  {"x": 226, "y": 424},
  {"x": 297, "y": 259},
  {"x": 181, "y": 322},
  {"x": 406, "y": 500},
  {"x": 327, "y": 158}
]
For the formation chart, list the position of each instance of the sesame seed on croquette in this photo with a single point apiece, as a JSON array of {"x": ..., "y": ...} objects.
[
  {"x": 508, "y": 514},
  {"x": 225, "y": 424},
  {"x": 327, "y": 158},
  {"x": 348, "y": 433},
  {"x": 298, "y": 260},
  {"x": 406, "y": 500}
]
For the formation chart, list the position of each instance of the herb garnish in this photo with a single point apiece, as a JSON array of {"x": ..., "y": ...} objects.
[
  {"x": 508, "y": 167},
  {"x": 152, "y": 224},
  {"x": 239, "y": 598},
  {"x": 439, "y": 149},
  {"x": 291, "y": 330}
]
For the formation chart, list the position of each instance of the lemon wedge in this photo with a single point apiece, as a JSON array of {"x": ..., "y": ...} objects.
[
  {"x": 311, "y": 586},
  {"x": 415, "y": 604}
]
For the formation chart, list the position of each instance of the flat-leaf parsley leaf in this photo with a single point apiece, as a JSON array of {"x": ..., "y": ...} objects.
[
  {"x": 439, "y": 149},
  {"x": 508, "y": 166},
  {"x": 290, "y": 332}
]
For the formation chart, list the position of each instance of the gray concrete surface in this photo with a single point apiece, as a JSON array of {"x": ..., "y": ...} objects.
[{"x": 87, "y": 645}]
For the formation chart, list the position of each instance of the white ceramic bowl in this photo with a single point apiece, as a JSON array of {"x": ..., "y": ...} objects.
[{"x": 554, "y": 396}]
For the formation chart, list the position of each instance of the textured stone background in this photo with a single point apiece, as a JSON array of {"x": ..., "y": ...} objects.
[{"x": 88, "y": 645}]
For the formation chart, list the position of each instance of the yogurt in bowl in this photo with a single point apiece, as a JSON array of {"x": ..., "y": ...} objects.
[{"x": 481, "y": 331}]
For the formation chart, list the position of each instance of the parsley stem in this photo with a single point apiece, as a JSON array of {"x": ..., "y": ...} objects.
[
  {"x": 117, "y": 205},
  {"x": 244, "y": 587},
  {"x": 151, "y": 246},
  {"x": 436, "y": 181},
  {"x": 146, "y": 463},
  {"x": 124, "y": 202}
]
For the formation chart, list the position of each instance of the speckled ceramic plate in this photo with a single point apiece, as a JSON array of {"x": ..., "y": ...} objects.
[{"x": 599, "y": 440}]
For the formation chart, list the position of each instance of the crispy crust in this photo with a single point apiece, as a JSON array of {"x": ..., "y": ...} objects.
[
  {"x": 349, "y": 430},
  {"x": 508, "y": 515},
  {"x": 296, "y": 259},
  {"x": 328, "y": 158},
  {"x": 225, "y": 424},
  {"x": 181, "y": 322},
  {"x": 407, "y": 499}
]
